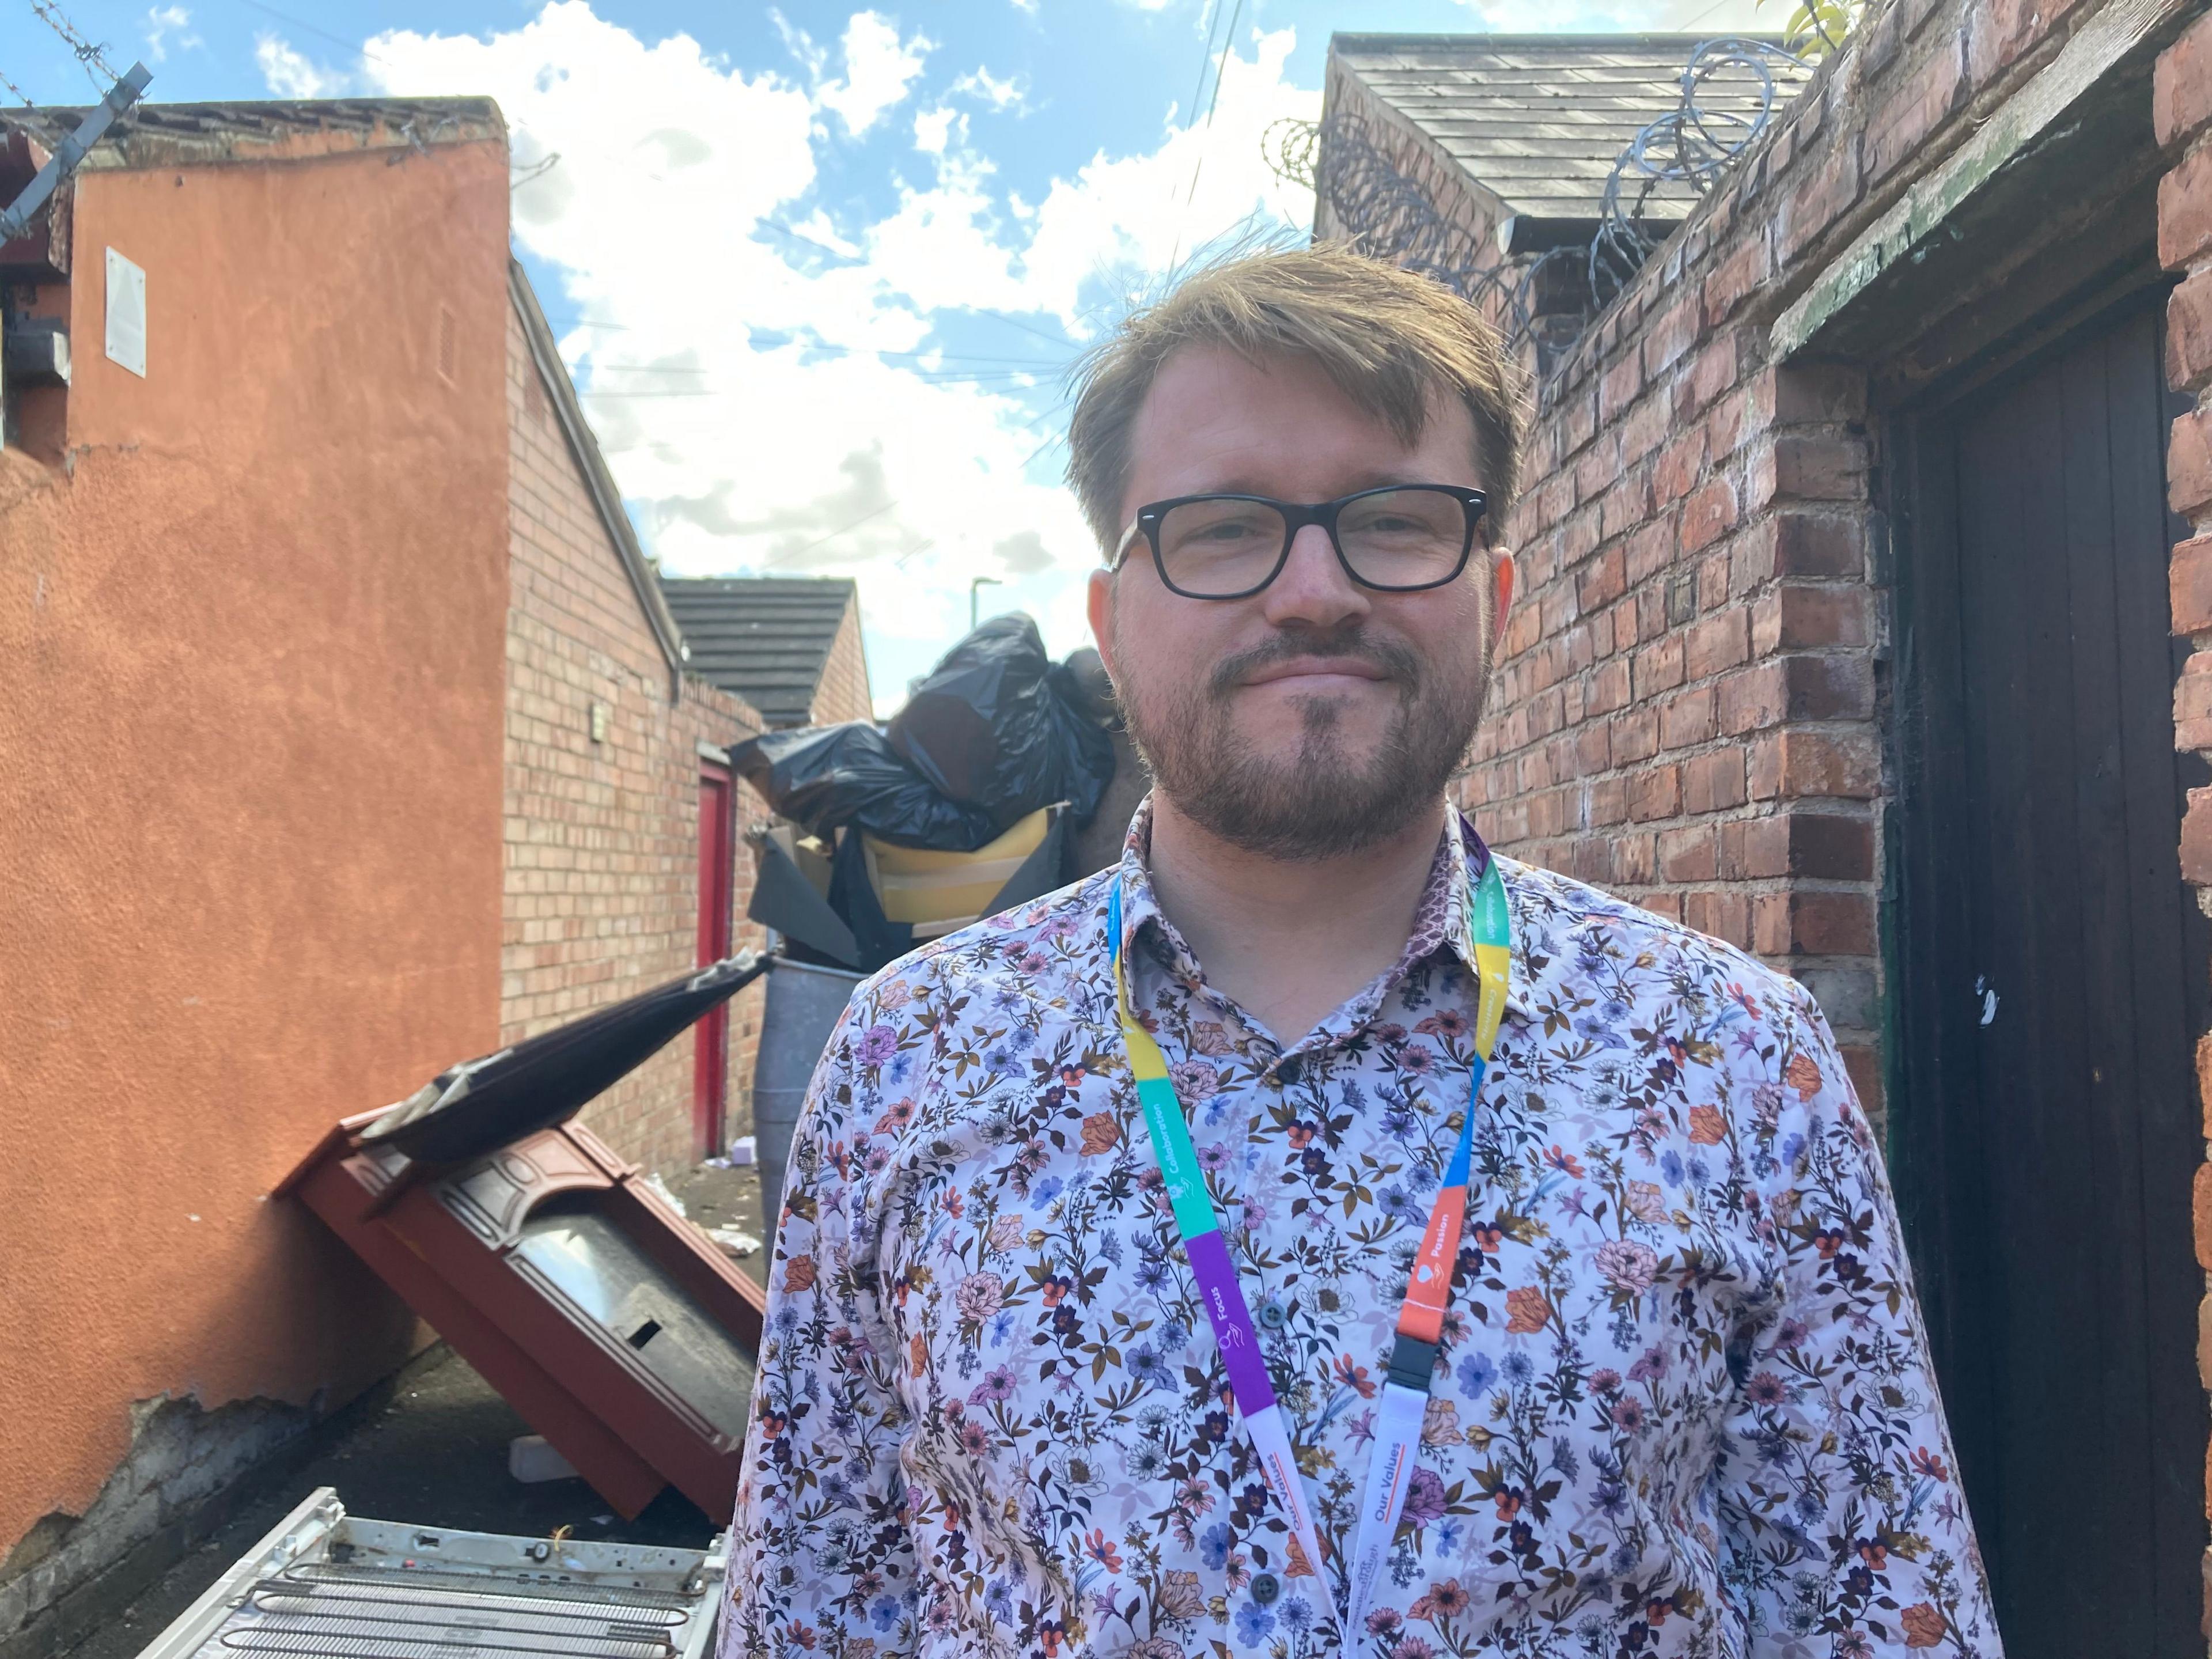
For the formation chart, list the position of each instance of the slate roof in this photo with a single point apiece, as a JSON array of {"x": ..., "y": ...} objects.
[
  {"x": 1539, "y": 120},
  {"x": 766, "y": 638}
]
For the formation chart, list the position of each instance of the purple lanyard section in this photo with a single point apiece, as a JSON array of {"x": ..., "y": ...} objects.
[{"x": 1232, "y": 1323}]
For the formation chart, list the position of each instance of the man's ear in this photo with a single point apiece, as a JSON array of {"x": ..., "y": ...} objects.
[
  {"x": 1502, "y": 577},
  {"x": 1099, "y": 603}
]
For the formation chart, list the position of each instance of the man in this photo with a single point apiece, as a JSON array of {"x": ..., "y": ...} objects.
[{"x": 1141, "y": 1244}]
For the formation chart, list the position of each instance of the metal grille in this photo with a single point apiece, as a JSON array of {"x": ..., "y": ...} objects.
[
  {"x": 328, "y": 1612},
  {"x": 326, "y": 1585}
]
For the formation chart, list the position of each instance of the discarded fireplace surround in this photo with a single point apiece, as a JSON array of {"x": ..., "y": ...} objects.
[{"x": 612, "y": 1325}]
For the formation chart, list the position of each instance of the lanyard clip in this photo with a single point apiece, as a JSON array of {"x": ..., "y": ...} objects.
[{"x": 1412, "y": 1363}]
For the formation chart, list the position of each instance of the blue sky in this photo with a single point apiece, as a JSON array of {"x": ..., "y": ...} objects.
[{"x": 819, "y": 269}]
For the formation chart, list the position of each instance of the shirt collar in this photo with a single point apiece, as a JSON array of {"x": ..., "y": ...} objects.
[{"x": 1440, "y": 921}]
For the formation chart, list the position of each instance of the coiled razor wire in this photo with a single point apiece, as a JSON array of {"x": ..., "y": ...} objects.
[
  {"x": 1727, "y": 102},
  {"x": 1384, "y": 212},
  {"x": 1728, "y": 98}
]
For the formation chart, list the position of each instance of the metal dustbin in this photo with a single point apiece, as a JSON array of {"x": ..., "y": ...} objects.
[{"x": 804, "y": 1003}]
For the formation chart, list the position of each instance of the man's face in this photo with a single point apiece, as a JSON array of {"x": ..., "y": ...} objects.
[{"x": 1317, "y": 717}]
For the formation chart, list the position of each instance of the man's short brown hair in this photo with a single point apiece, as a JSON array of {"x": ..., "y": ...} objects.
[{"x": 1392, "y": 342}]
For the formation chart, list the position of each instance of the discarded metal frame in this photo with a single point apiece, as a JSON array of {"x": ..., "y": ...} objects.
[{"x": 324, "y": 1582}]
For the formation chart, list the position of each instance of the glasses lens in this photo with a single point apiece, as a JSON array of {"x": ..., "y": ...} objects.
[
  {"x": 1220, "y": 546},
  {"x": 1404, "y": 537}
]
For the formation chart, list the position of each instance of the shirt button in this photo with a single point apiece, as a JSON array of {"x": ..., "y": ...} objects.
[
  {"x": 1288, "y": 1072},
  {"x": 1271, "y": 1315},
  {"x": 1266, "y": 1588}
]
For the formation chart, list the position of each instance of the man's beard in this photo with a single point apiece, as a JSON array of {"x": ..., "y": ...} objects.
[{"x": 1325, "y": 801}]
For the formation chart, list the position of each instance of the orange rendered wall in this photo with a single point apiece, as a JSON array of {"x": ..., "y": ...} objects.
[{"x": 251, "y": 675}]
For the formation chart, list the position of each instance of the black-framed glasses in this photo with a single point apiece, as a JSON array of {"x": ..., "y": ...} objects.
[{"x": 1398, "y": 539}]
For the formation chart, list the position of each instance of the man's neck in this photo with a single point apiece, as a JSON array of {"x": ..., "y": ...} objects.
[{"x": 1290, "y": 941}]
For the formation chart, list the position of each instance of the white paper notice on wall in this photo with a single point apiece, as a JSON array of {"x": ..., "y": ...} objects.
[{"x": 126, "y": 314}]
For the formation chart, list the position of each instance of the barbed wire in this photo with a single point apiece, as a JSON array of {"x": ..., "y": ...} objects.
[
  {"x": 89, "y": 56},
  {"x": 1288, "y": 144},
  {"x": 1728, "y": 96},
  {"x": 1382, "y": 210}
]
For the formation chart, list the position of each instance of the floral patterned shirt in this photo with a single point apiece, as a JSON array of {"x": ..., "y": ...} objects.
[{"x": 1684, "y": 1407}]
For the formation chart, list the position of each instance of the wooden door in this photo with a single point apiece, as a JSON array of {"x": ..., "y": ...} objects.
[
  {"x": 711, "y": 1055},
  {"x": 2051, "y": 982}
]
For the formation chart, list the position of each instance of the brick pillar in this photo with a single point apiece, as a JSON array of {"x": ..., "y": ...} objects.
[
  {"x": 1805, "y": 701},
  {"x": 1685, "y": 710},
  {"x": 2182, "y": 113}
]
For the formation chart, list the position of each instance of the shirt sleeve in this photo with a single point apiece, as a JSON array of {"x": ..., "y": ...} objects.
[
  {"x": 1845, "y": 1529},
  {"x": 822, "y": 1562}
]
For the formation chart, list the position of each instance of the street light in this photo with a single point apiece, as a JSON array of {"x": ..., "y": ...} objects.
[{"x": 974, "y": 597}]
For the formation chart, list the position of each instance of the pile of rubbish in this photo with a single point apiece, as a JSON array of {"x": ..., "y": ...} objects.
[
  {"x": 967, "y": 802},
  {"x": 573, "y": 1281}
]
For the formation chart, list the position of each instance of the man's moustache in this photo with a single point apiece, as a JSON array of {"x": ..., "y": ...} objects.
[{"x": 1397, "y": 661}]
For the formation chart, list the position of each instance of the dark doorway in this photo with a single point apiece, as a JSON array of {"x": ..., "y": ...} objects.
[{"x": 2050, "y": 979}]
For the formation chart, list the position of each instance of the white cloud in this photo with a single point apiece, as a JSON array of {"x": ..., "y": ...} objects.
[
  {"x": 987, "y": 88},
  {"x": 933, "y": 128},
  {"x": 161, "y": 22},
  {"x": 291, "y": 74},
  {"x": 879, "y": 67},
  {"x": 753, "y": 368},
  {"x": 1140, "y": 214}
]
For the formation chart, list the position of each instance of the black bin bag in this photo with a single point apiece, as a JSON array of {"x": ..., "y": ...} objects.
[
  {"x": 998, "y": 727},
  {"x": 826, "y": 777}
]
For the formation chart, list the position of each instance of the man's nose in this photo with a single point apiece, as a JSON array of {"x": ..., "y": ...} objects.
[{"x": 1313, "y": 590}]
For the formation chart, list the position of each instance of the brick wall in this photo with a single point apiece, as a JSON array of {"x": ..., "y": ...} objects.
[
  {"x": 1471, "y": 212},
  {"x": 602, "y": 837},
  {"x": 2182, "y": 112},
  {"x": 841, "y": 693},
  {"x": 1690, "y": 702}
]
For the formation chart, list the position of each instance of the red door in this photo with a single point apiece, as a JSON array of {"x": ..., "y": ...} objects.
[{"x": 717, "y": 851}]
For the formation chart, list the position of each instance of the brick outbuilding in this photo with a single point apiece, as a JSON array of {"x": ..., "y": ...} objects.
[
  {"x": 1853, "y": 630},
  {"x": 790, "y": 645}
]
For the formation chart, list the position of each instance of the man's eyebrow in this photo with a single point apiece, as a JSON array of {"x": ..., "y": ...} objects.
[{"x": 1378, "y": 478}]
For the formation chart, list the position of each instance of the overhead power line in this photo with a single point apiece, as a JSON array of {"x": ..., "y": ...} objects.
[
  {"x": 823, "y": 541},
  {"x": 1213, "y": 22},
  {"x": 1221, "y": 69}
]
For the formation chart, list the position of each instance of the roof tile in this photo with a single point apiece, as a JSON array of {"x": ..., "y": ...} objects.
[
  {"x": 766, "y": 638},
  {"x": 1538, "y": 120}
]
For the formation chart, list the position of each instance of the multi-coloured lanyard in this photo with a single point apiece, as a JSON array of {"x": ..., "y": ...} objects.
[{"x": 1404, "y": 1404}]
